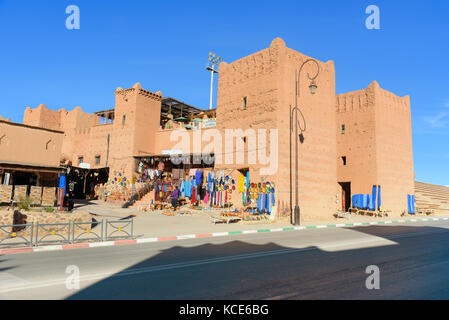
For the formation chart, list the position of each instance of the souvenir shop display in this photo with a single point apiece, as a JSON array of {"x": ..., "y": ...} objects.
[
  {"x": 118, "y": 188},
  {"x": 203, "y": 189},
  {"x": 220, "y": 187},
  {"x": 261, "y": 194}
]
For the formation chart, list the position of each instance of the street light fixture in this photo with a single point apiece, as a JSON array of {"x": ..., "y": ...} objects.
[
  {"x": 313, "y": 87},
  {"x": 214, "y": 60}
]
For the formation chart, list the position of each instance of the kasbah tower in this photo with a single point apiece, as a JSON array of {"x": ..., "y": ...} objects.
[{"x": 351, "y": 141}]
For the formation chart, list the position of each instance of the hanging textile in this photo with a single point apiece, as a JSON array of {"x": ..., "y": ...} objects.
[
  {"x": 193, "y": 199},
  {"x": 198, "y": 176},
  {"x": 241, "y": 183}
]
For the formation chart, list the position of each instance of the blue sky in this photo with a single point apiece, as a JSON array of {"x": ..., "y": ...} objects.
[{"x": 164, "y": 45}]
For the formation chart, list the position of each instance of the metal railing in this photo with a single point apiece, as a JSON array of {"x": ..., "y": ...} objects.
[
  {"x": 56, "y": 232},
  {"x": 36, "y": 234},
  {"x": 16, "y": 232},
  {"x": 86, "y": 231},
  {"x": 122, "y": 229}
]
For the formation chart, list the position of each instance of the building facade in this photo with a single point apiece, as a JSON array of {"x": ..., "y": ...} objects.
[{"x": 348, "y": 143}]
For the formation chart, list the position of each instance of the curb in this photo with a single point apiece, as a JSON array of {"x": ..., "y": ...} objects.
[{"x": 203, "y": 235}]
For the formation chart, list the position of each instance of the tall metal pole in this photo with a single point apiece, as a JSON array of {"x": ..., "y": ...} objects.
[
  {"x": 297, "y": 95},
  {"x": 291, "y": 202},
  {"x": 211, "y": 88},
  {"x": 297, "y": 213}
]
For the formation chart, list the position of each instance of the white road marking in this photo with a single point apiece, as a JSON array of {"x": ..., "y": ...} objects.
[
  {"x": 12, "y": 283},
  {"x": 8, "y": 280},
  {"x": 48, "y": 248},
  {"x": 146, "y": 240}
]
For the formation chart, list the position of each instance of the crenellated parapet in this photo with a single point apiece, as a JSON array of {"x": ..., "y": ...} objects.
[{"x": 137, "y": 89}]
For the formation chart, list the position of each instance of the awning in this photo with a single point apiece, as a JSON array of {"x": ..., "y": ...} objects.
[{"x": 30, "y": 168}]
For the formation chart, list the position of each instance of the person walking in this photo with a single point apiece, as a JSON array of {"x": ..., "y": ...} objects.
[{"x": 174, "y": 198}]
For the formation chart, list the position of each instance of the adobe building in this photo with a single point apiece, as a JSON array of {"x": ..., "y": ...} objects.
[
  {"x": 29, "y": 162},
  {"x": 348, "y": 143},
  {"x": 374, "y": 144}
]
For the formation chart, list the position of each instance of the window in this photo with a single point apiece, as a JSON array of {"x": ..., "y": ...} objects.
[
  {"x": 123, "y": 119},
  {"x": 97, "y": 159},
  {"x": 80, "y": 160},
  {"x": 343, "y": 129},
  {"x": 244, "y": 103},
  {"x": 344, "y": 160}
]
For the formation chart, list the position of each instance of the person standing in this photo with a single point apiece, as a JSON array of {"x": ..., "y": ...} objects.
[{"x": 174, "y": 198}]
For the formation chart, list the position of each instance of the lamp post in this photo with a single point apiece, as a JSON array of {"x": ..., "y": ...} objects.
[
  {"x": 213, "y": 62},
  {"x": 312, "y": 86}
]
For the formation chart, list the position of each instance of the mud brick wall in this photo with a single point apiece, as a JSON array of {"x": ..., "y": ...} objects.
[
  {"x": 5, "y": 193},
  {"x": 20, "y": 192},
  {"x": 36, "y": 194},
  {"x": 48, "y": 196}
]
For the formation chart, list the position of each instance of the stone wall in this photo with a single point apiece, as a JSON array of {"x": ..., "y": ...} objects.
[
  {"x": 5, "y": 193},
  {"x": 48, "y": 196},
  {"x": 9, "y": 217}
]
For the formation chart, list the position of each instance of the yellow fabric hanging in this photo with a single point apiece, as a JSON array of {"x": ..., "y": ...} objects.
[{"x": 241, "y": 181}]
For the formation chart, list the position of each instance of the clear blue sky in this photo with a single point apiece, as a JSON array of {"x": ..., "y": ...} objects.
[{"x": 164, "y": 45}]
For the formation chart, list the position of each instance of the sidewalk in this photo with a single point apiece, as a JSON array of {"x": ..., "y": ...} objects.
[{"x": 155, "y": 224}]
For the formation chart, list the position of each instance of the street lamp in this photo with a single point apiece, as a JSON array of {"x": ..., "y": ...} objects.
[
  {"x": 213, "y": 62},
  {"x": 313, "y": 86}
]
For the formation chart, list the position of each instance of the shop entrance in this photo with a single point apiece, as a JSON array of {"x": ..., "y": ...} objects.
[
  {"x": 81, "y": 182},
  {"x": 345, "y": 195}
]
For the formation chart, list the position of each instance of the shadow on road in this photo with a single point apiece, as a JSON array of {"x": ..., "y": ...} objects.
[{"x": 413, "y": 263}]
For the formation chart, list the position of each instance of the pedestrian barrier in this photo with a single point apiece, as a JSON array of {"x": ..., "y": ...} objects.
[
  {"x": 120, "y": 228},
  {"x": 55, "y": 232},
  {"x": 87, "y": 232},
  {"x": 17, "y": 234},
  {"x": 36, "y": 234}
]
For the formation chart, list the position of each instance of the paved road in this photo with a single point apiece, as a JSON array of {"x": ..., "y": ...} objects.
[{"x": 310, "y": 264}]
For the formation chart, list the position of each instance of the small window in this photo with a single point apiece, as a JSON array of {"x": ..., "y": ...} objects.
[
  {"x": 123, "y": 119},
  {"x": 343, "y": 129},
  {"x": 97, "y": 159},
  {"x": 244, "y": 103},
  {"x": 244, "y": 139},
  {"x": 344, "y": 160},
  {"x": 80, "y": 160}
]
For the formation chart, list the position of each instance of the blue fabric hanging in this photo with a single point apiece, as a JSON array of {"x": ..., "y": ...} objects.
[
  {"x": 365, "y": 201},
  {"x": 373, "y": 206},
  {"x": 370, "y": 202},
  {"x": 411, "y": 204},
  {"x": 268, "y": 202},
  {"x": 354, "y": 201},
  {"x": 379, "y": 198}
]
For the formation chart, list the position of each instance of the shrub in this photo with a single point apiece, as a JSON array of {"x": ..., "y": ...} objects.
[
  {"x": 24, "y": 203},
  {"x": 49, "y": 209}
]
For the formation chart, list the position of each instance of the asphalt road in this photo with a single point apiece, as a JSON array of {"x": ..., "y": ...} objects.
[{"x": 413, "y": 260}]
